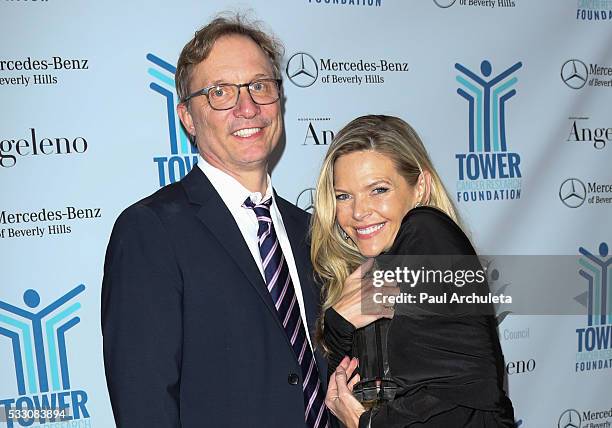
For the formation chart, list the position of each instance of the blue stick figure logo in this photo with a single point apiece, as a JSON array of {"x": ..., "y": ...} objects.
[
  {"x": 487, "y": 97},
  {"x": 39, "y": 340},
  {"x": 595, "y": 270},
  {"x": 180, "y": 162}
]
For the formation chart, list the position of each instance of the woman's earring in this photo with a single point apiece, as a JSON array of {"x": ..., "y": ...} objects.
[
  {"x": 344, "y": 234},
  {"x": 418, "y": 203}
]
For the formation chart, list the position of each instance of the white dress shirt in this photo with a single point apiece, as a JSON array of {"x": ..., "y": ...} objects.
[{"x": 234, "y": 194}]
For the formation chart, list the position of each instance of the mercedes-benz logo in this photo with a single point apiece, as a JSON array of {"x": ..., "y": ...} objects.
[
  {"x": 569, "y": 419},
  {"x": 572, "y": 193},
  {"x": 444, "y": 3},
  {"x": 302, "y": 70},
  {"x": 305, "y": 199},
  {"x": 574, "y": 73}
]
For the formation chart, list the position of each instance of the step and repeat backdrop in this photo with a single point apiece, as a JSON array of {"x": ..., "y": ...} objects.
[{"x": 513, "y": 99}]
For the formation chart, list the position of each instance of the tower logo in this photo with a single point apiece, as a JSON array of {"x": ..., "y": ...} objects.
[
  {"x": 488, "y": 171},
  {"x": 38, "y": 338},
  {"x": 597, "y": 335},
  {"x": 183, "y": 155}
]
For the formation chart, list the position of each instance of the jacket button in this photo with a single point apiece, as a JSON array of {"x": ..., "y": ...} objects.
[{"x": 293, "y": 379}]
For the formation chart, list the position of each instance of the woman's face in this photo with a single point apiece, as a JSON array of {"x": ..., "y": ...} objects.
[{"x": 372, "y": 198}]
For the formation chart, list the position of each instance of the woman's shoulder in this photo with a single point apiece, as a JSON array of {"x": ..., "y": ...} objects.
[
  {"x": 429, "y": 219},
  {"x": 427, "y": 230}
]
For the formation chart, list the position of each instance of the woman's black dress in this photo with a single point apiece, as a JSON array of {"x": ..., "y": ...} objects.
[{"x": 449, "y": 368}]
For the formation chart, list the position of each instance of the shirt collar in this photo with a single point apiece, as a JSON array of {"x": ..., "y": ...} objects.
[{"x": 231, "y": 190}]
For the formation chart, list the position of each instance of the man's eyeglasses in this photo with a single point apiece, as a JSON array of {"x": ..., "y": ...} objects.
[{"x": 224, "y": 96}]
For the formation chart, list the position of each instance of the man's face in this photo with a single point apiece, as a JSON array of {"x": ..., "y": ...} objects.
[{"x": 239, "y": 139}]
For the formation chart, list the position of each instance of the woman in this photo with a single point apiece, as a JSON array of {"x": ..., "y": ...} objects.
[{"x": 378, "y": 193}]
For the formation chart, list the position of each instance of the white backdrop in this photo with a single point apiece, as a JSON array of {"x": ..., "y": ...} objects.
[{"x": 95, "y": 80}]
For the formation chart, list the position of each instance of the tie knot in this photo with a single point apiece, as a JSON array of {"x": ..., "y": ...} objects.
[{"x": 261, "y": 209}]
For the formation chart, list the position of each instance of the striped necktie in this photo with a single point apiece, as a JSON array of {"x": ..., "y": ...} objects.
[{"x": 278, "y": 281}]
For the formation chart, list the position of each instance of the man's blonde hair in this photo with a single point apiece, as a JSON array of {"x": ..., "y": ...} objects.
[{"x": 225, "y": 24}]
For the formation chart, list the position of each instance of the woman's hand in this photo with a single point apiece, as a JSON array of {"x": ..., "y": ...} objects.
[
  {"x": 358, "y": 304},
  {"x": 339, "y": 399}
]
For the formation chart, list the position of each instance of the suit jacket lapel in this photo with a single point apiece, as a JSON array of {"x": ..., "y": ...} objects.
[{"x": 217, "y": 218}]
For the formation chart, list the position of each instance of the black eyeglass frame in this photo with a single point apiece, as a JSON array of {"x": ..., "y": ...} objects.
[{"x": 206, "y": 91}]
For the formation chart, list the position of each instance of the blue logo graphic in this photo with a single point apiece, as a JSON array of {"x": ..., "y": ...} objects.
[
  {"x": 39, "y": 351},
  {"x": 597, "y": 336},
  {"x": 488, "y": 157},
  {"x": 595, "y": 270},
  {"x": 183, "y": 154}
]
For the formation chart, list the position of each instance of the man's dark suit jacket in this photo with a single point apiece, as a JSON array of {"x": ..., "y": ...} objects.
[{"x": 191, "y": 336}]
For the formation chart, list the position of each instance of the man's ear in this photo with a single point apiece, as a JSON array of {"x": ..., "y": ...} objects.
[{"x": 186, "y": 119}]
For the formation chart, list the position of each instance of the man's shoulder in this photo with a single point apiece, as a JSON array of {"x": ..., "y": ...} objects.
[
  {"x": 165, "y": 202},
  {"x": 169, "y": 195}
]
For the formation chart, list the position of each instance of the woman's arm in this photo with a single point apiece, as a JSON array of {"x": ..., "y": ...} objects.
[{"x": 338, "y": 336}]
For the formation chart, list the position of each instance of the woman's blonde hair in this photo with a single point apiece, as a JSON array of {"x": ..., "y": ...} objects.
[{"x": 334, "y": 257}]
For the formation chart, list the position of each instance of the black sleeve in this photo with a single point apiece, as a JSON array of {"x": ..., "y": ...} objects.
[
  {"x": 338, "y": 335},
  {"x": 142, "y": 322}
]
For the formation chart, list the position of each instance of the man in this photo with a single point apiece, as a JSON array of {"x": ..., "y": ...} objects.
[{"x": 207, "y": 283}]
